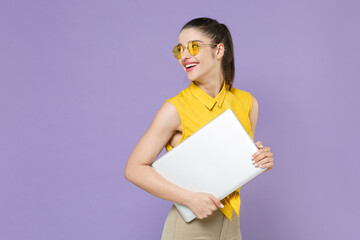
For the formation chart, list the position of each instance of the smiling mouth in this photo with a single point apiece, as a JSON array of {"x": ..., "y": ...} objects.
[{"x": 190, "y": 67}]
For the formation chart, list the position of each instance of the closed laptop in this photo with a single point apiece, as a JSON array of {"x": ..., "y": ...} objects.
[{"x": 215, "y": 159}]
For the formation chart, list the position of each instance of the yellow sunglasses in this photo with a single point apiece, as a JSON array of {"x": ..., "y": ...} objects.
[{"x": 192, "y": 46}]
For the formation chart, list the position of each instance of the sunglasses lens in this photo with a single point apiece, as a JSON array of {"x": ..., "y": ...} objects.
[
  {"x": 193, "y": 48},
  {"x": 177, "y": 51}
]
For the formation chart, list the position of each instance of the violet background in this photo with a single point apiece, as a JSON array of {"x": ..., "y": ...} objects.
[{"x": 80, "y": 82}]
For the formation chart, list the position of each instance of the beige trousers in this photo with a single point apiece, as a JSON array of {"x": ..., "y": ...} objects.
[{"x": 216, "y": 226}]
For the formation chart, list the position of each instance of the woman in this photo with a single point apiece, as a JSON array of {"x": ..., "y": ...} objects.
[{"x": 205, "y": 52}]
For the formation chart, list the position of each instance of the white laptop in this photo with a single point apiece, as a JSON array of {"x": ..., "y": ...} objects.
[{"x": 215, "y": 159}]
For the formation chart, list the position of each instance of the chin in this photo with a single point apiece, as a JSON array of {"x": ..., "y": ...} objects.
[
  {"x": 191, "y": 78},
  {"x": 194, "y": 78}
]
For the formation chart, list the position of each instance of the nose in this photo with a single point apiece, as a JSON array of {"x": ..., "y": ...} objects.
[{"x": 185, "y": 54}]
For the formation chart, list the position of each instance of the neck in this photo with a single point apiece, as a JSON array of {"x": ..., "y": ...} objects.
[{"x": 211, "y": 87}]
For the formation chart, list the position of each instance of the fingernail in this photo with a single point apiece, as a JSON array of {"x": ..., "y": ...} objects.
[
  {"x": 261, "y": 146},
  {"x": 252, "y": 157},
  {"x": 222, "y": 206}
]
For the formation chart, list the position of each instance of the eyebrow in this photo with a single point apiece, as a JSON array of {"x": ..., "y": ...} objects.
[{"x": 192, "y": 40}]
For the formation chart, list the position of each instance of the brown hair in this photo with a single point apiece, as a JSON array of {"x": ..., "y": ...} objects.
[{"x": 218, "y": 33}]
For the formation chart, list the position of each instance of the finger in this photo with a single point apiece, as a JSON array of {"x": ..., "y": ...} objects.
[
  {"x": 263, "y": 154},
  {"x": 257, "y": 153},
  {"x": 260, "y": 157},
  {"x": 268, "y": 166},
  {"x": 259, "y": 144},
  {"x": 260, "y": 151},
  {"x": 216, "y": 201},
  {"x": 263, "y": 162},
  {"x": 266, "y": 149}
]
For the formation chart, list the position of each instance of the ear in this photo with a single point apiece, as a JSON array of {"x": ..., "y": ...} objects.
[{"x": 220, "y": 50}]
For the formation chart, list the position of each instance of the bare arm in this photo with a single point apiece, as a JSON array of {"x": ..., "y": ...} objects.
[
  {"x": 263, "y": 157},
  {"x": 254, "y": 115},
  {"x": 138, "y": 169}
]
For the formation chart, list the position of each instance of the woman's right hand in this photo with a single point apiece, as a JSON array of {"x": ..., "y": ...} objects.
[{"x": 203, "y": 204}]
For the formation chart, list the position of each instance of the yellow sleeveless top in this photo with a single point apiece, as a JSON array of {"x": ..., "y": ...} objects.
[{"x": 196, "y": 108}]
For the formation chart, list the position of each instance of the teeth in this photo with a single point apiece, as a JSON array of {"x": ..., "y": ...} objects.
[{"x": 190, "y": 65}]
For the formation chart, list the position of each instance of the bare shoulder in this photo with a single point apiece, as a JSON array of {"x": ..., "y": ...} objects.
[
  {"x": 255, "y": 104},
  {"x": 164, "y": 125},
  {"x": 167, "y": 116},
  {"x": 161, "y": 130},
  {"x": 254, "y": 113}
]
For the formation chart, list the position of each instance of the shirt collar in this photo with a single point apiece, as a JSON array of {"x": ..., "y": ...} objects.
[{"x": 206, "y": 99}]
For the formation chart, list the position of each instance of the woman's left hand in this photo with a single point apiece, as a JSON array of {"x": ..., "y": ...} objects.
[{"x": 263, "y": 157}]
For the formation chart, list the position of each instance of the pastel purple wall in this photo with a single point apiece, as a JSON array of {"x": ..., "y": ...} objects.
[{"x": 80, "y": 82}]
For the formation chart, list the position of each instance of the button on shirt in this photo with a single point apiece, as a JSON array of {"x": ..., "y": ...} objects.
[{"x": 196, "y": 108}]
